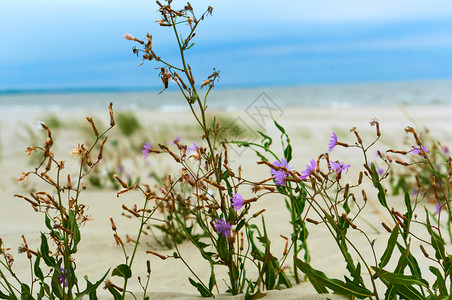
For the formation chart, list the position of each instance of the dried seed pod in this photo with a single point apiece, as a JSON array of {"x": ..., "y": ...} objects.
[
  {"x": 91, "y": 122},
  {"x": 312, "y": 221},
  {"x": 401, "y": 162},
  {"x": 364, "y": 195},
  {"x": 346, "y": 190},
  {"x": 69, "y": 183},
  {"x": 344, "y": 215},
  {"x": 110, "y": 109},
  {"x": 423, "y": 251},
  {"x": 360, "y": 178},
  {"x": 113, "y": 225},
  {"x": 99, "y": 156},
  {"x": 259, "y": 212},
  {"x": 386, "y": 227}
]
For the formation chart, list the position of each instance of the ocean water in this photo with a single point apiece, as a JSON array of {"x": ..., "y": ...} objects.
[{"x": 339, "y": 95}]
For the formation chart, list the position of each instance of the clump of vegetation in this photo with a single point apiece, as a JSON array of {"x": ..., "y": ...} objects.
[{"x": 206, "y": 203}]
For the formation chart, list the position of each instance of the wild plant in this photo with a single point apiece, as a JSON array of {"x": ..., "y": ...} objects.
[
  {"x": 224, "y": 235},
  {"x": 430, "y": 162},
  {"x": 320, "y": 195},
  {"x": 331, "y": 199},
  {"x": 64, "y": 215}
]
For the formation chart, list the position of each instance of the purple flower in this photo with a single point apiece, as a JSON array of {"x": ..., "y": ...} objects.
[
  {"x": 332, "y": 142},
  {"x": 63, "y": 277},
  {"x": 279, "y": 175},
  {"x": 146, "y": 150},
  {"x": 121, "y": 169},
  {"x": 419, "y": 150},
  {"x": 173, "y": 142},
  {"x": 221, "y": 227},
  {"x": 309, "y": 169},
  {"x": 438, "y": 208},
  {"x": 339, "y": 166},
  {"x": 193, "y": 148},
  {"x": 445, "y": 150},
  {"x": 380, "y": 171},
  {"x": 237, "y": 201}
]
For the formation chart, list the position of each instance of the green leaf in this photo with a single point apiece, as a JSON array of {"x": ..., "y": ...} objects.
[
  {"x": 49, "y": 260},
  {"x": 390, "y": 248},
  {"x": 201, "y": 289},
  {"x": 409, "y": 213},
  {"x": 401, "y": 265},
  {"x": 37, "y": 269},
  {"x": 122, "y": 270},
  {"x": 56, "y": 286},
  {"x": 346, "y": 206},
  {"x": 195, "y": 240},
  {"x": 4, "y": 296},
  {"x": 115, "y": 293},
  {"x": 91, "y": 288},
  {"x": 440, "y": 282},
  {"x": 437, "y": 241},
  {"x": 283, "y": 131},
  {"x": 266, "y": 141},
  {"x": 48, "y": 224},
  {"x": 340, "y": 287},
  {"x": 288, "y": 153},
  {"x": 409, "y": 292},
  {"x": 212, "y": 279},
  {"x": 73, "y": 227},
  {"x": 25, "y": 292},
  {"x": 222, "y": 248},
  {"x": 400, "y": 279},
  {"x": 376, "y": 181}
]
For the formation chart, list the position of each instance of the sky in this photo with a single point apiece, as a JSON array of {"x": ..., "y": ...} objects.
[{"x": 54, "y": 44}]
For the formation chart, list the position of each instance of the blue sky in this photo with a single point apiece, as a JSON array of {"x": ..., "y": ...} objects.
[{"x": 79, "y": 44}]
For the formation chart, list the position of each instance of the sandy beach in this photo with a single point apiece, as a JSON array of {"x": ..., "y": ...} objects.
[{"x": 309, "y": 129}]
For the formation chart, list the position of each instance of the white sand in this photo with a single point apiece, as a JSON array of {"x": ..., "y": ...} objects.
[{"x": 309, "y": 129}]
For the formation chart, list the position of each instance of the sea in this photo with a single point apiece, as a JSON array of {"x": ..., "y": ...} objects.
[{"x": 408, "y": 93}]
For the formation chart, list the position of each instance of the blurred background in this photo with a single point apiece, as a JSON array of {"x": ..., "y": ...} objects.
[{"x": 79, "y": 44}]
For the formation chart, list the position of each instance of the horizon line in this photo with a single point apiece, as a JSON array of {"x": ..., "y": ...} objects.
[{"x": 106, "y": 89}]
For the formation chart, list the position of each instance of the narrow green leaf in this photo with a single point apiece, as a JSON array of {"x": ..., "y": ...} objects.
[
  {"x": 122, "y": 270},
  {"x": 37, "y": 269},
  {"x": 400, "y": 279},
  {"x": 437, "y": 242},
  {"x": 115, "y": 293},
  {"x": 376, "y": 181},
  {"x": 409, "y": 292},
  {"x": 91, "y": 288},
  {"x": 439, "y": 282},
  {"x": 288, "y": 153},
  {"x": 56, "y": 286},
  {"x": 49, "y": 260},
  {"x": 390, "y": 248},
  {"x": 4, "y": 296},
  {"x": 283, "y": 131},
  {"x": 266, "y": 141},
  {"x": 25, "y": 292},
  {"x": 222, "y": 248},
  {"x": 401, "y": 265},
  {"x": 73, "y": 227},
  {"x": 409, "y": 213},
  {"x": 340, "y": 287},
  {"x": 48, "y": 224},
  {"x": 201, "y": 289},
  {"x": 212, "y": 279}
]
